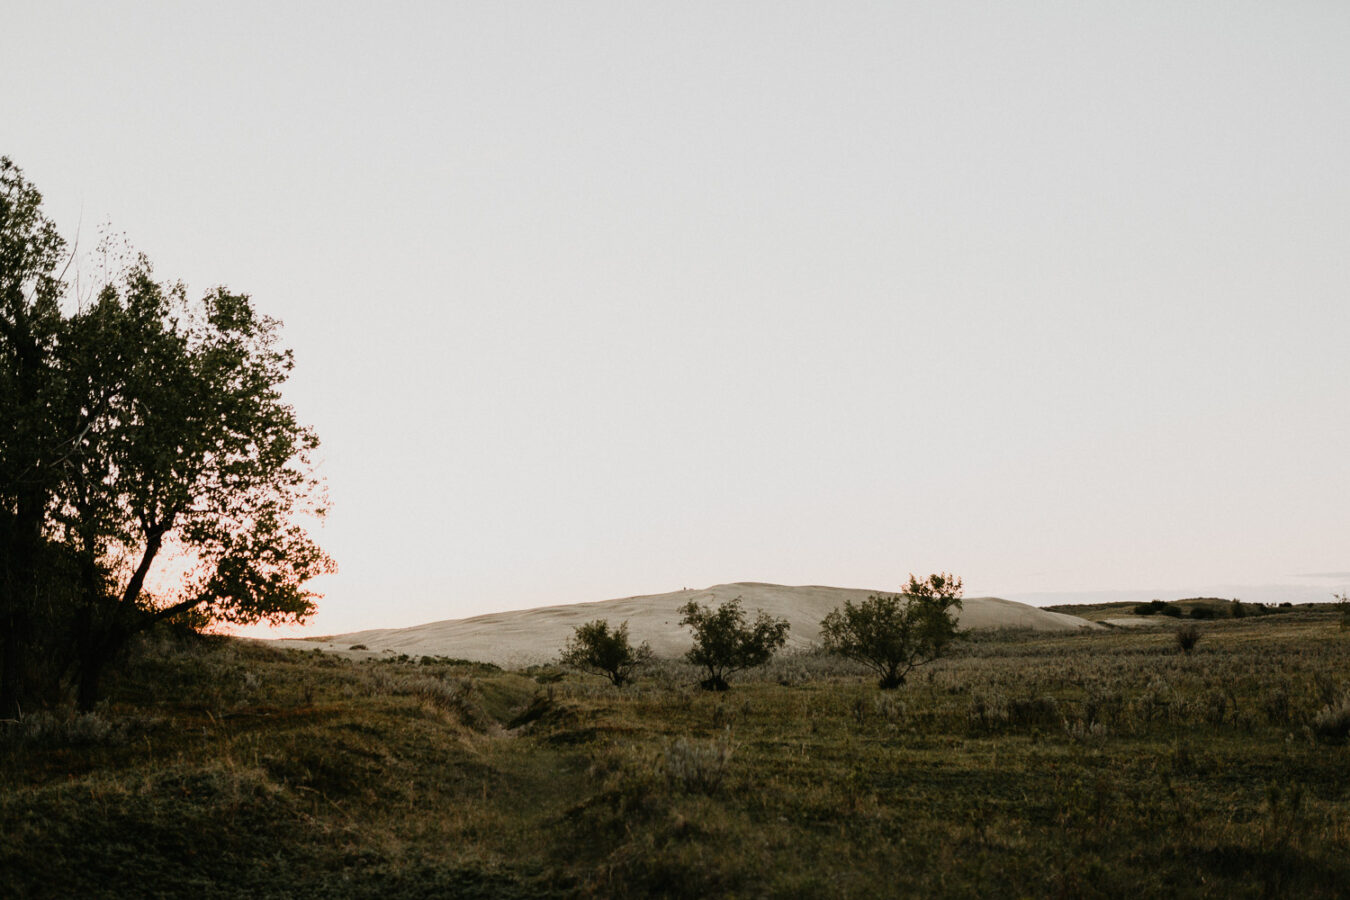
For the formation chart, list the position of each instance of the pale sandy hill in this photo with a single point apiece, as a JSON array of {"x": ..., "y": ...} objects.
[{"x": 525, "y": 637}]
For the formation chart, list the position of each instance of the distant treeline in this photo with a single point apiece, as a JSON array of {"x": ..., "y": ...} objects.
[{"x": 1206, "y": 608}]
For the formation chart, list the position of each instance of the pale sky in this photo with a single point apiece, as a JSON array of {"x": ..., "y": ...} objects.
[{"x": 592, "y": 300}]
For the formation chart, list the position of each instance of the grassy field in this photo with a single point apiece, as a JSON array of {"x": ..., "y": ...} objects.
[{"x": 1096, "y": 764}]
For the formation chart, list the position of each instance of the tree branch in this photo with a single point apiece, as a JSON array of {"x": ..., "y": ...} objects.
[
  {"x": 154, "y": 539},
  {"x": 169, "y": 612}
]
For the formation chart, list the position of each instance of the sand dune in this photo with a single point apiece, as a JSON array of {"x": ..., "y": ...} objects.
[{"x": 525, "y": 637}]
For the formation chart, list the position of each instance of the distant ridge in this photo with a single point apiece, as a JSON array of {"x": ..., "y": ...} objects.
[{"x": 534, "y": 636}]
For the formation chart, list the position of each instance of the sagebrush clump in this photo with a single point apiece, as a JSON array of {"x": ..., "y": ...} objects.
[
  {"x": 1332, "y": 722},
  {"x": 699, "y": 766},
  {"x": 1187, "y": 637}
]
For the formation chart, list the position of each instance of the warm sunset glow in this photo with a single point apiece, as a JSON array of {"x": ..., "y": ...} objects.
[{"x": 595, "y": 300}]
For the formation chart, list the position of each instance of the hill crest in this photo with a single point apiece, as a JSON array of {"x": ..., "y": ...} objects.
[{"x": 536, "y": 636}]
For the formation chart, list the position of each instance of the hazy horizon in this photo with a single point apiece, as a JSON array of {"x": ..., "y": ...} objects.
[
  {"x": 597, "y": 300},
  {"x": 1269, "y": 594}
]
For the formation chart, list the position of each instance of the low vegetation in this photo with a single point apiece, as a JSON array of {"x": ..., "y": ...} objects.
[
  {"x": 1187, "y": 637},
  {"x": 1101, "y": 763}
]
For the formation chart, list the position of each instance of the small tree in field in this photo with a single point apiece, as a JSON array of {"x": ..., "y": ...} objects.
[
  {"x": 594, "y": 648},
  {"x": 891, "y": 634},
  {"x": 725, "y": 643}
]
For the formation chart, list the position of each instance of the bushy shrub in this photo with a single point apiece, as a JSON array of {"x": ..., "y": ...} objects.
[
  {"x": 892, "y": 634},
  {"x": 1158, "y": 608},
  {"x": 594, "y": 648},
  {"x": 1187, "y": 637},
  {"x": 725, "y": 643},
  {"x": 1203, "y": 612},
  {"x": 1332, "y": 723}
]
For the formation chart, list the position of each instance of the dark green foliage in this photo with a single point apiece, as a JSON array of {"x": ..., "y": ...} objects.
[
  {"x": 892, "y": 634},
  {"x": 34, "y": 579},
  {"x": 594, "y": 648},
  {"x": 725, "y": 643},
  {"x": 138, "y": 425},
  {"x": 1203, "y": 612},
  {"x": 1187, "y": 637},
  {"x": 1158, "y": 607}
]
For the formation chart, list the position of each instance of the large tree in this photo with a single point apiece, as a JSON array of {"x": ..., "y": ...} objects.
[
  {"x": 161, "y": 433},
  {"x": 31, "y": 254}
]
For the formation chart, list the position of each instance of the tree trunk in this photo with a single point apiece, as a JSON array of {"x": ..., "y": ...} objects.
[
  {"x": 107, "y": 623},
  {"x": 86, "y": 690},
  {"x": 20, "y": 595},
  {"x": 12, "y": 661},
  {"x": 95, "y": 655},
  {"x": 715, "y": 683}
]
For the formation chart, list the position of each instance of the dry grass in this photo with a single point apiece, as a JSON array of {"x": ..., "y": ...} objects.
[{"x": 1094, "y": 764}]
